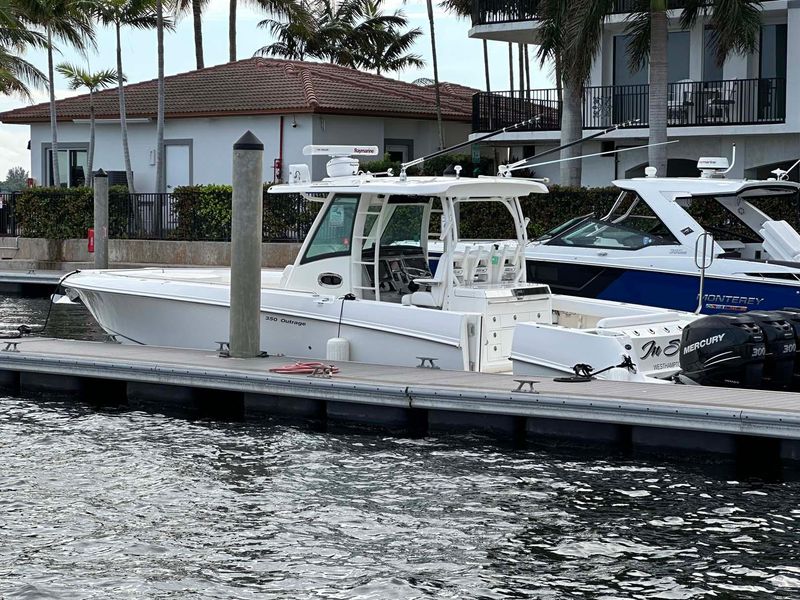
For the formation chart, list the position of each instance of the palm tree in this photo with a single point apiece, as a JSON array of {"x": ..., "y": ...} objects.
[
  {"x": 463, "y": 8},
  {"x": 160, "y": 111},
  {"x": 571, "y": 35},
  {"x": 98, "y": 80},
  {"x": 381, "y": 43},
  {"x": 66, "y": 20},
  {"x": 276, "y": 7},
  {"x": 196, "y": 7},
  {"x": 735, "y": 26},
  {"x": 16, "y": 74},
  {"x": 435, "y": 75},
  {"x": 139, "y": 14}
]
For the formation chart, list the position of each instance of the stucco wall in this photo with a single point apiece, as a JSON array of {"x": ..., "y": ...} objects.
[
  {"x": 212, "y": 140},
  {"x": 37, "y": 253}
]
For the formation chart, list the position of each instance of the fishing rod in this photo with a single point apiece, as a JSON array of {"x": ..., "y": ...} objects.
[
  {"x": 476, "y": 140},
  {"x": 520, "y": 164},
  {"x": 560, "y": 160}
]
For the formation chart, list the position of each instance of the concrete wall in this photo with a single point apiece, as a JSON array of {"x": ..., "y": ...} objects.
[
  {"x": 37, "y": 253},
  {"x": 211, "y": 141}
]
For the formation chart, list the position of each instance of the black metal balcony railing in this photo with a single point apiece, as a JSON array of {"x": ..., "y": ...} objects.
[
  {"x": 488, "y": 12},
  {"x": 689, "y": 104}
]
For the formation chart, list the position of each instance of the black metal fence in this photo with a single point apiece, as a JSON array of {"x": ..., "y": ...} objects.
[
  {"x": 492, "y": 111},
  {"x": 488, "y": 12},
  {"x": 8, "y": 220},
  {"x": 689, "y": 104},
  {"x": 186, "y": 217}
]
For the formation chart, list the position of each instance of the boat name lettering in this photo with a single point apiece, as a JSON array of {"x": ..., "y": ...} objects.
[
  {"x": 285, "y": 320},
  {"x": 651, "y": 348},
  {"x": 749, "y": 300},
  {"x": 703, "y": 343}
]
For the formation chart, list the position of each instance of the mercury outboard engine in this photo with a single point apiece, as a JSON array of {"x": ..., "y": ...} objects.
[
  {"x": 723, "y": 350},
  {"x": 781, "y": 349},
  {"x": 793, "y": 316}
]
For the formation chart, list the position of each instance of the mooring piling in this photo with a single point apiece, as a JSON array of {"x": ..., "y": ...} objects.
[
  {"x": 101, "y": 220},
  {"x": 245, "y": 324}
]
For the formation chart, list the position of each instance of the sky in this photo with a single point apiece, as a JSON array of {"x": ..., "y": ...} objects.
[{"x": 460, "y": 59}]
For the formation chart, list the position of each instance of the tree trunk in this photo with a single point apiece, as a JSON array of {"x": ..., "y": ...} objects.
[
  {"x": 160, "y": 183},
  {"x": 436, "y": 76},
  {"x": 53, "y": 125},
  {"x": 527, "y": 70},
  {"x": 232, "y": 31},
  {"x": 197, "y": 15},
  {"x": 657, "y": 156},
  {"x": 571, "y": 130},
  {"x": 486, "y": 64},
  {"x": 90, "y": 158},
  {"x": 123, "y": 122},
  {"x": 511, "y": 66}
]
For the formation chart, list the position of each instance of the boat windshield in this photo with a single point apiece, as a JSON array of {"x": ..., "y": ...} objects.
[
  {"x": 598, "y": 233},
  {"x": 559, "y": 229},
  {"x": 630, "y": 225}
]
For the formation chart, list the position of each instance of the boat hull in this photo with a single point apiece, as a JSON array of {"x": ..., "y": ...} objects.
[
  {"x": 671, "y": 290},
  {"x": 296, "y": 324}
]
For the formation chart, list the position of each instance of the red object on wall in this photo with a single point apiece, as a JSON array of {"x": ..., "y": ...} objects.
[{"x": 91, "y": 239}]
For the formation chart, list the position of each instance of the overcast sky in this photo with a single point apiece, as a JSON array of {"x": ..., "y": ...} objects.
[{"x": 460, "y": 59}]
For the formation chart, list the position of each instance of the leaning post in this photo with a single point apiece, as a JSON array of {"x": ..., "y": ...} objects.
[
  {"x": 246, "y": 219},
  {"x": 101, "y": 220}
]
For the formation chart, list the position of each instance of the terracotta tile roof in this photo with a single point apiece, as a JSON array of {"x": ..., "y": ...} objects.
[{"x": 263, "y": 86}]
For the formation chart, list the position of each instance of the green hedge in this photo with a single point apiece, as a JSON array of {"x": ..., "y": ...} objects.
[
  {"x": 434, "y": 166},
  {"x": 203, "y": 212},
  {"x": 66, "y": 213}
]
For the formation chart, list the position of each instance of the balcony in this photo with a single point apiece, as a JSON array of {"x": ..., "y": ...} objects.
[
  {"x": 489, "y": 12},
  {"x": 689, "y": 104}
]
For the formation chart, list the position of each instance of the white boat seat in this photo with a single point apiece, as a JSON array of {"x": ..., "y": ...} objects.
[
  {"x": 434, "y": 296},
  {"x": 781, "y": 241}
]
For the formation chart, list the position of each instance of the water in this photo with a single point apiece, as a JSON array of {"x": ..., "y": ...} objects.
[{"x": 111, "y": 503}]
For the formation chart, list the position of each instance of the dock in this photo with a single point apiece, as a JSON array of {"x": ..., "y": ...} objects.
[
  {"x": 419, "y": 400},
  {"x": 32, "y": 281}
]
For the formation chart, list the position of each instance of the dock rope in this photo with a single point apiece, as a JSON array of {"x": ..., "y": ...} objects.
[
  {"x": 305, "y": 368},
  {"x": 24, "y": 329},
  {"x": 584, "y": 372}
]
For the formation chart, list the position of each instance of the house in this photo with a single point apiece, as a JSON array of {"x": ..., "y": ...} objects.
[
  {"x": 750, "y": 100},
  {"x": 287, "y": 104}
]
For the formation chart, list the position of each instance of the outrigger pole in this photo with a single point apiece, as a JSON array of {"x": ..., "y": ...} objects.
[
  {"x": 521, "y": 164},
  {"x": 560, "y": 160},
  {"x": 477, "y": 140}
]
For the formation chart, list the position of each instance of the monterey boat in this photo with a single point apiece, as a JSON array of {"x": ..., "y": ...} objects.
[
  {"x": 645, "y": 249},
  {"x": 362, "y": 280}
]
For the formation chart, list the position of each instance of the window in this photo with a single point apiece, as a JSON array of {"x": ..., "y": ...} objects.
[
  {"x": 399, "y": 150},
  {"x": 772, "y": 56},
  {"x": 73, "y": 166},
  {"x": 711, "y": 70},
  {"x": 622, "y": 75},
  {"x": 405, "y": 226},
  {"x": 677, "y": 60},
  {"x": 335, "y": 231},
  {"x": 678, "y": 56}
]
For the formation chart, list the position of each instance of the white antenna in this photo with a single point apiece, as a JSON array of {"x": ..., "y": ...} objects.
[{"x": 782, "y": 175}]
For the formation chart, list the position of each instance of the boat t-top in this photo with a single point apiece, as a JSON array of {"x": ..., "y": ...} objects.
[
  {"x": 645, "y": 249},
  {"x": 362, "y": 283}
]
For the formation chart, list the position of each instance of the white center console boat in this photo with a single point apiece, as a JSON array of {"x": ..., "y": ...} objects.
[{"x": 362, "y": 277}]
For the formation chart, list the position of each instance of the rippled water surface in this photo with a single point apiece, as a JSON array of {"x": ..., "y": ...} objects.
[{"x": 102, "y": 503}]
